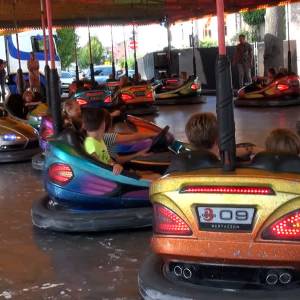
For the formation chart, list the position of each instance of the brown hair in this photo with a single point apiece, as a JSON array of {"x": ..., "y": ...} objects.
[
  {"x": 202, "y": 130},
  {"x": 283, "y": 141},
  {"x": 93, "y": 118}
]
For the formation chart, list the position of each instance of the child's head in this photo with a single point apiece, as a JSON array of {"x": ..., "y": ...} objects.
[
  {"x": 72, "y": 109},
  {"x": 28, "y": 96},
  {"x": 202, "y": 130},
  {"x": 283, "y": 141},
  {"x": 93, "y": 119}
]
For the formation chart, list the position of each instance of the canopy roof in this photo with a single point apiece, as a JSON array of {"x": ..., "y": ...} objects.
[{"x": 99, "y": 12}]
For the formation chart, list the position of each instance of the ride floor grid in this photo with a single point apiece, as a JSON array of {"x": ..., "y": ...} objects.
[{"x": 36, "y": 264}]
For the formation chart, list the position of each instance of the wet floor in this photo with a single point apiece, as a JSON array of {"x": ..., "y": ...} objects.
[{"x": 37, "y": 264}]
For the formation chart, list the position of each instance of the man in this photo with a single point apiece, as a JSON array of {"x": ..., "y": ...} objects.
[
  {"x": 2, "y": 78},
  {"x": 243, "y": 58}
]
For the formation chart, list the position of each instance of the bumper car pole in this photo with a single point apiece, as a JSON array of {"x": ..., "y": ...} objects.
[
  {"x": 112, "y": 54},
  {"x": 19, "y": 79},
  {"x": 76, "y": 58},
  {"x": 125, "y": 53},
  {"x": 46, "y": 69},
  {"x": 289, "y": 41},
  {"x": 91, "y": 56},
  {"x": 136, "y": 69},
  {"x": 53, "y": 78},
  {"x": 224, "y": 98},
  {"x": 193, "y": 47},
  {"x": 169, "y": 47}
]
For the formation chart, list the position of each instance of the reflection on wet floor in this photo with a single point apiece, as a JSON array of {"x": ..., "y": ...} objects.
[{"x": 36, "y": 264}]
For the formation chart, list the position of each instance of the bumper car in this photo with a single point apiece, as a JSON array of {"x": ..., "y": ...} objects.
[
  {"x": 284, "y": 91},
  {"x": 174, "y": 91},
  {"x": 85, "y": 196},
  {"x": 15, "y": 107},
  {"x": 225, "y": 235},
  {"x": 18, "y": 141},
  {"x": 135, "y": 100}
]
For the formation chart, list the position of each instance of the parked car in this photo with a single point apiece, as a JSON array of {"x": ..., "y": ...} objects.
[
  {"x": 101, "y": 73},
  {"x": 66, "y": 79}
]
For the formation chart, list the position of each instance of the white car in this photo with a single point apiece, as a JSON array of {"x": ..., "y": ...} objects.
[{"x": 66, "y": 79}]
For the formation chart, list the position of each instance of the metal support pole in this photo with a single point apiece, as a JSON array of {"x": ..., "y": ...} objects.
[
  {"x": 53, "y": 76},
  {"x": 125, "y": 53},
  {"x": 112, "y": 54},
  {"x": 169, "y": 55},
  {"x": 76, "y": 57},
  {"x": 91, "y": 56},
  {"x": 136, "y": 70},
  {"x": 224, "y": 107},
  {"x": 46, "y": 69},
  {"x": 289, "y": 42},
  {"x": 19, "y": 78},
  {"x": 194, "y": 55}
]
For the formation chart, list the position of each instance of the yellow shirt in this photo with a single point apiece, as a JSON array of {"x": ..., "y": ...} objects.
[{"x": 91, "y": 145}]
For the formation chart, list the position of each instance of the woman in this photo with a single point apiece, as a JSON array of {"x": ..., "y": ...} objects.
[{"x": 34, "y": 75}]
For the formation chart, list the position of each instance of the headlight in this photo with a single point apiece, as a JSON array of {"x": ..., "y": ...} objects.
[{"x": 10, "y": 137}]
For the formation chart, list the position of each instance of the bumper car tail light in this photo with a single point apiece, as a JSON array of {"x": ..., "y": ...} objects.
[
  {"x": 246, "y": 190},
  {"x": 60, "y": 173},
  {"x": 81, "y": 101},
  {"x": 286, "y": 228},
  {"x": 149, "y": 95},
  {"x": 126, "y": 97},
  {"x": 107, "y": 99},
  {"x": 194, "y": 86},
  {"x": 282, "y": 87},
  {"x": 167, "y": 222}
]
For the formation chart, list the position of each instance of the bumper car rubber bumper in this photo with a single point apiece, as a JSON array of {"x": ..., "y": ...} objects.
[
  {"x": 153, "y": 285},
  {"x": 195, "y": 99},
  {"x": 18, "y": 155},
  {"x": 68, "y": 220},
  {"x": 38, "y": 161},
  {"x": 275, "y": 102}
]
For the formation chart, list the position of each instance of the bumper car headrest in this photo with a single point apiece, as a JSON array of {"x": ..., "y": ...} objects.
[
  {"x": 192, "y": 161},
  {"x": 276, "y": 162}
]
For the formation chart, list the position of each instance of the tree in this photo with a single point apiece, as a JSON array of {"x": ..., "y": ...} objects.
[
  {"x": 97, "y": 53},
  {"x": 254, "y": 19},
  {"x": 66, "y": 39},
  {"x": 130, "y": 62},
  {"x": 208, "y": 43}
]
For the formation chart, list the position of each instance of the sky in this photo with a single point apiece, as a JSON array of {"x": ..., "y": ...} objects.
[{"x": 149, "y": 38}]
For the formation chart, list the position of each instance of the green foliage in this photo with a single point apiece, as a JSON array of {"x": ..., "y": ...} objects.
[
  {"x": 207, "y": 43},
  {"x": 65, "y": 46},
  {"x": 130, "y": 62},
  {"x": 97, "y": 53},
  {"x": 254, "y": 18}
]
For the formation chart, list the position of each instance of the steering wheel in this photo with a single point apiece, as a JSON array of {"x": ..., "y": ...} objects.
[{"x": 160, "y": 138}]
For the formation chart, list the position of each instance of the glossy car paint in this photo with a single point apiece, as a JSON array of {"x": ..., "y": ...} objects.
[
  {"x": 176, "y": 91},
  {"x": 91, "y": 183},
  {"x": 221, "y": 247}
]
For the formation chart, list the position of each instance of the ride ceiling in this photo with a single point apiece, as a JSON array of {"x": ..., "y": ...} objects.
[{"x": 117, "y": 12}]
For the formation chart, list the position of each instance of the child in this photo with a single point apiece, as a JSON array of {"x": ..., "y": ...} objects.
[
  {"x": 283, "y": 141},
  {"x": 94, "y": 124}
]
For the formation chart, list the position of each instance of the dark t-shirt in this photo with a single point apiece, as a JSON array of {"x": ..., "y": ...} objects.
[{"x": 243, "y": 54}]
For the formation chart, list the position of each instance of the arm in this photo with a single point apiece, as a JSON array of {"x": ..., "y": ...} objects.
[
  {"x": 121, "y": 159},
  {"x": 124, "y": 138},
  {"x": 117, "y": 168}
]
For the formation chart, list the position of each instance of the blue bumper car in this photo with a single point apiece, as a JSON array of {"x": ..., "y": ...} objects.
[{"x": 85, "y": 196}]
